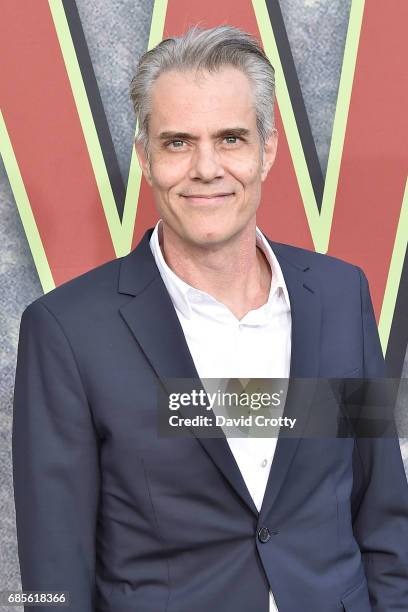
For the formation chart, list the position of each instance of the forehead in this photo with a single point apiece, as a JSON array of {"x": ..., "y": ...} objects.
[{"x": 194, "y": 100}]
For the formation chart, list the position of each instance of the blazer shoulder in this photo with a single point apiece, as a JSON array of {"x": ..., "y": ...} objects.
[
  {"x": 317, "y": 262},
  {"x": 82, "y": 293}
]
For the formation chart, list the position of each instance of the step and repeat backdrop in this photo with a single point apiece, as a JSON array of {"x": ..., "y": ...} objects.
[{"x": 71, "y": 192}]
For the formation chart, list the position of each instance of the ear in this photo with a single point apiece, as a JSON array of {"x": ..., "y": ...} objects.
[
  {"x": 269, "y": 153},
  {"x": 143, "y": 161}
]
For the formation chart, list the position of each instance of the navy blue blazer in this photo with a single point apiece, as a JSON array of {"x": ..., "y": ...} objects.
[{"x": 127, "y": 521}]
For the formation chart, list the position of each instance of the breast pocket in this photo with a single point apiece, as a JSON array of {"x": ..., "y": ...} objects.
[{"x": 357, "y": 600}]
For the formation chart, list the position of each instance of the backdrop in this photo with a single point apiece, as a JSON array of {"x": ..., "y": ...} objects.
[{"x": 71, "y": 191}]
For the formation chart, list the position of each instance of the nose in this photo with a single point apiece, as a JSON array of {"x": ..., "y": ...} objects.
[{"x": 206, "y": 164}]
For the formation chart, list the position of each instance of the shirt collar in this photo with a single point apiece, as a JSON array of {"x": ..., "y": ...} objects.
[{"x": 183, "y": 295}]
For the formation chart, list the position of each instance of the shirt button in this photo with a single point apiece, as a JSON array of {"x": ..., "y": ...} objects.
[
  {"x": 264, "y": 463},
  {"x": 264, "y": 535}
]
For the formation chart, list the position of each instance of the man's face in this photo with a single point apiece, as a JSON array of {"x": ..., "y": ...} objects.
[{"x": 206, "y": 160}]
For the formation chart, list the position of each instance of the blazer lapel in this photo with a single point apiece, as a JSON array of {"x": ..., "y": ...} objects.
[
  {"x": 306, "y": 323},
  {"x": 306, "y": 309},
  {"x": 153, "y": 321}
]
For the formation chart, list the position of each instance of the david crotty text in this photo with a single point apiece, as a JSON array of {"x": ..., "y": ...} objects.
[{"x": 221, "y": 421}]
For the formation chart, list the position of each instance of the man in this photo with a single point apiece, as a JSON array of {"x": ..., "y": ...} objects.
[{"x": 128, "y": 521}]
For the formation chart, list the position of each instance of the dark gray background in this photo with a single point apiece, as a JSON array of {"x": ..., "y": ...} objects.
[{"x": 117, "y": 33}]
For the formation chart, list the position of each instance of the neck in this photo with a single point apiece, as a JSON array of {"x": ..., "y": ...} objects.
[{"x": 235, "y": 273}]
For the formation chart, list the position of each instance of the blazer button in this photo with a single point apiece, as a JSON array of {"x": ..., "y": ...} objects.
[{"x": 264, "y": 535}]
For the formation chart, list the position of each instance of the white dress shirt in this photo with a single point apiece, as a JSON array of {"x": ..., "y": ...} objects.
[{"x": 222, "y": 346}]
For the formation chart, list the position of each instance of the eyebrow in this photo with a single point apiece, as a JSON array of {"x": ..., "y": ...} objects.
[{"x": 236, "y": 131}]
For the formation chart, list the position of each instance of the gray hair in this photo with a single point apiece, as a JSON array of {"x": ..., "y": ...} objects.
[{"x": 206, "y": 49}]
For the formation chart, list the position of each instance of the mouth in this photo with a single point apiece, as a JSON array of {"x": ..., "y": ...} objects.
[{"x": 206, "y": 199}]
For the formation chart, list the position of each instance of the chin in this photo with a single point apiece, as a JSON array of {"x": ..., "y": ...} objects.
[{"x": 208, "y": 237}]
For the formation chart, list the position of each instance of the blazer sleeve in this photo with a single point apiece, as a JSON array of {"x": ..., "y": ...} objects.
[
  {"x": 55, "y": 464},
  {"x": 380, "y": 493}
]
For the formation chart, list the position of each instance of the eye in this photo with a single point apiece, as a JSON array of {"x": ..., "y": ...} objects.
[
  {"x": 175, "y": 144},
  {"x": 231, "y": 139}
]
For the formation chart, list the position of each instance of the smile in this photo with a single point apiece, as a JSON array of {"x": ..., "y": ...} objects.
[{"x": 205, "y": 200}]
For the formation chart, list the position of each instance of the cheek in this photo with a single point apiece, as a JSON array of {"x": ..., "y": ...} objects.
[
  {"x": 251, "y": 178},
  {"x": 254, "y": 174},
  {"x": 166, "y": 175},
  {"x": 246, "y": 171}
]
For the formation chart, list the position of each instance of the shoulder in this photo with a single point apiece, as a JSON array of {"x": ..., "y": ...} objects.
[
  {"x": 81, "y": 295},
  {"x": 325, "y": 267},
  {"x": 336, "y": 280}
]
